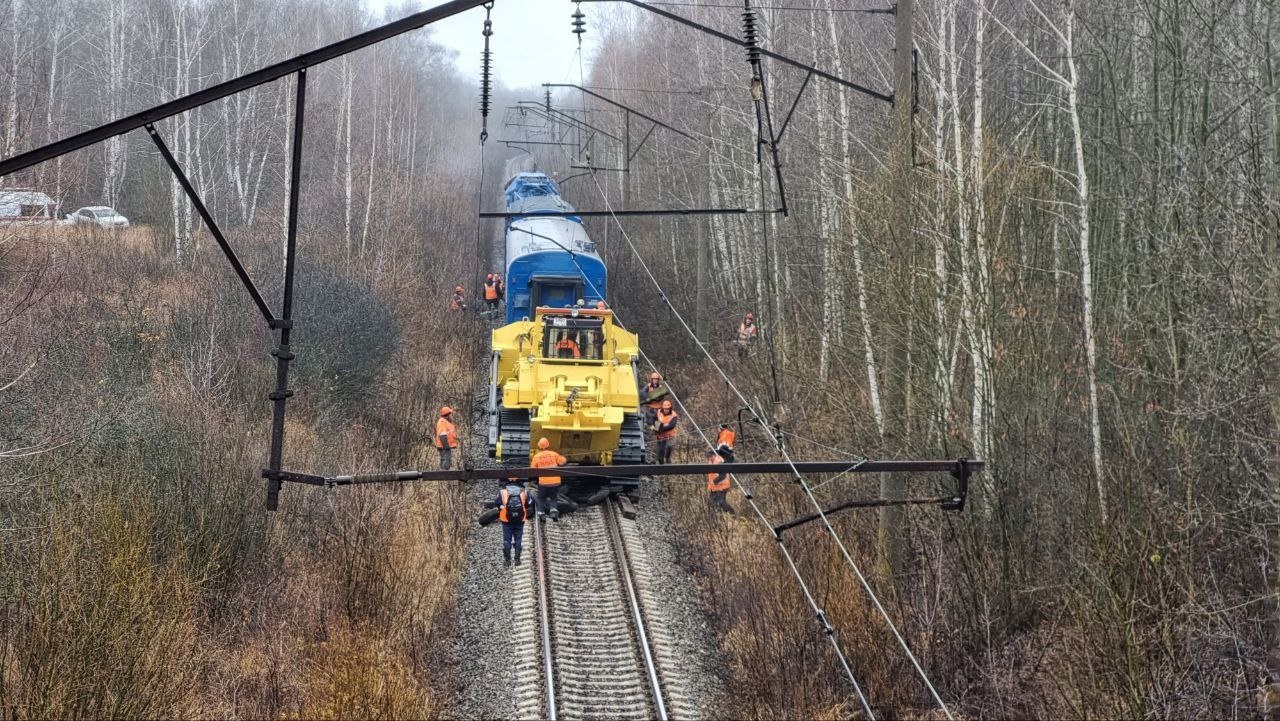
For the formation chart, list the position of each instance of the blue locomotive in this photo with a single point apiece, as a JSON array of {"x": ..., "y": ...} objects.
[{"x": 551, "y": 261}]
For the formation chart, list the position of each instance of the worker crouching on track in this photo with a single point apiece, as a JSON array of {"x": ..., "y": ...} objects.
[
  {"x": 548, "y": 486},
  {"x": 664, "y": 426},
  {"x": 446, "y": 437},
  {"x": 718, "y": 485},
  {"x": 513, "y": 509}
]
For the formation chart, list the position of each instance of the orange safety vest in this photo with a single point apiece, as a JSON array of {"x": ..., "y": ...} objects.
[
  {"x": 665, "y": 417},
  {"x": 649, "y": 388},
  {"x": 568, "y": 344},
  {"x": 503, "y": 496},
  {"x": 547, "y": 459},
  {"x": 746, "y": 333},
  {"x": 457, "y": 302},
  {"x": 726, "y": 438},
  {"x": 490, "y": 291},
  {"x": 712, "y": 484},
  {"x": 445, "y": 427}
]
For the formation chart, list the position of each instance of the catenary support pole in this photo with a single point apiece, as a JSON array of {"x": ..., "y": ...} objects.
[
  {"x": 889, "y": 533},
  {"x": 285, "y": 324}
]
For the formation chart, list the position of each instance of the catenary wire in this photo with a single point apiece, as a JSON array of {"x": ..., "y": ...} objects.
[
  {"x": 819, "y": 613},
  {"x": 786, "y": 456}
]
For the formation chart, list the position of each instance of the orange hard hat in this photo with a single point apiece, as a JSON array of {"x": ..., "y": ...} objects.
[
  {"x": 751, "y": 316},
  {"x": 544, "y": 444},
  {"x": 489, "y": 277},
  {"x": 666, "y": 405},
  {"x": 445, "y": 410},
  {"x": 458, "y": 289}
]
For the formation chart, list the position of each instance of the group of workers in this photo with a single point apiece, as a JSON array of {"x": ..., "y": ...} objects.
[
  {"x": 494, "y": 293},
  {"x": 513, "y": 499}
]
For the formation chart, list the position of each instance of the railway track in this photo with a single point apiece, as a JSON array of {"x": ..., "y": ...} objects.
[{"x": 587, "y": 617}]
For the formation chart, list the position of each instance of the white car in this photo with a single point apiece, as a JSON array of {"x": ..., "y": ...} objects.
[{"x": 99, "y": 215}]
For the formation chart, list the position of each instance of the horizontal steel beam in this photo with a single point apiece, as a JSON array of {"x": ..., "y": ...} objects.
[
  {"x": 623, "y": 213},
  {"x": 616, "y": 104},
  {"x": 632, "y": 471},
  {"x": 767, "y": 53},
  {"x": 233, "y": 86}
]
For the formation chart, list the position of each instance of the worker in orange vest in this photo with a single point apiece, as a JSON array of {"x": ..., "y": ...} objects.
[
  {"x": 664, "y": 426},
  {"x": 513, "y": 509},
  {"x": 491, "y": 292},
  {"x": 651, "y": 395},
  {"x": 747, "y": 332},
  {"x": 458, "y": 301},
  {"x": 724, "y": 442},
  {"x": 446, "y": 437},
  {"x": 568, "y": 348},
  {"x": 718, "y": 485},
  {"x": 548, "y": 486}
]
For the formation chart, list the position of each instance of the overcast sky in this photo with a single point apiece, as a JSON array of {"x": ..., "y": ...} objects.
[{"x": 532, "y": 41}]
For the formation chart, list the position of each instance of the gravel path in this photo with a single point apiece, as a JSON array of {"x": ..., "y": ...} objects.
[{"x": 497, "y": 654}]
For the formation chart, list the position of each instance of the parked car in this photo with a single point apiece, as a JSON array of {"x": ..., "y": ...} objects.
[
  {"x": 20, "y": 206},
  {"x": 101, "y": 216}
]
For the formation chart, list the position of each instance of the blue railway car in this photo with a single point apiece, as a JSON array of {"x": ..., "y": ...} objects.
[{"x": 551, "y": 261}]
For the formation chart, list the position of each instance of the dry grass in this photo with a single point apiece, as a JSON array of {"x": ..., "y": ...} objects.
[{"x": 139, "y": 577}]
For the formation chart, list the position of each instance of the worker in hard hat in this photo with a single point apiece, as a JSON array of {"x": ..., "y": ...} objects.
[
  {"x": 651, "y": 397},
  {"x": 459, "y": 300},
  {"x": 664, "y": 426},
  {"x": 491, "y": 292},
  {"x": 446, "y": 437},
  {"x": 548, "y": 486}
]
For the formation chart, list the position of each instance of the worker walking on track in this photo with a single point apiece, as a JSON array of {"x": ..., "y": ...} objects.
[
  {"x": 548, "y": 486},
  {"x": 718, "y": 485},
  {"x": 724, "y": 442},
  {"x": 513, "y": 509},
  {"x": 664, "y": 427},
  {"x": 446, "y": 437},
  {"x": 458, "y": 301}
]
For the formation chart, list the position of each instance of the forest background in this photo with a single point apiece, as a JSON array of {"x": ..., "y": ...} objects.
[{"x": 1084, "y": 291}]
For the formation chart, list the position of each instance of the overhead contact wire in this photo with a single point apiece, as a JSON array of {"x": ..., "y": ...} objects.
[
  {"x": 819, "y": 613},
  {"x": 786, "y": 457}
]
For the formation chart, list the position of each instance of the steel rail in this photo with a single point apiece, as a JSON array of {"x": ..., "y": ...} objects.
[
  {"x": 637, "y": 614},
  {"x": 548, "y": 666}
]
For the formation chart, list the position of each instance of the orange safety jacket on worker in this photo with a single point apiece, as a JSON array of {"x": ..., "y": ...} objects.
[
  {"x": 570, "y": 345},
  {"x": 654, "y": 400},
  {"x": 747, "y": 333},
  {"x": 490, "y": 290},
  {"x": 717, "y": 481},
  {"x": 667, "y": 424},
  {"x": 726, "y": 438},
  {"x": 445, "y": 427},
  {"x": 503, "y": 496},
  {"x": 457, "y": 302},
  {"x": 547, "y": 459}
]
